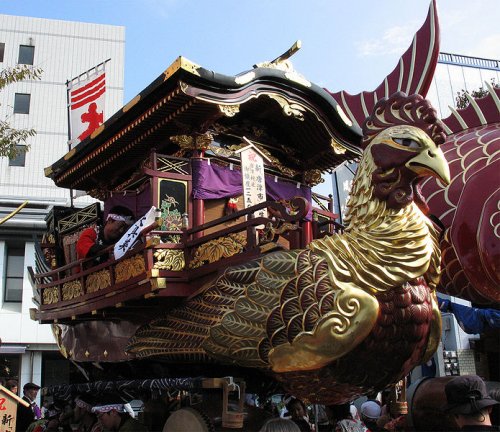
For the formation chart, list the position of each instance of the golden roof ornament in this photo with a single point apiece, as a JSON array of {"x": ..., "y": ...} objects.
[{"x": 283, "y": 63}]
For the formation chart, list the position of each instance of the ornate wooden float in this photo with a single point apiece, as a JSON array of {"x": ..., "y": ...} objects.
[{"x": 176, "y": 147}]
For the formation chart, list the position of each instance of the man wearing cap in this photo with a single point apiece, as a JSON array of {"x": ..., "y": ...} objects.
[
  {"x": 114, "y": 417},
  {"x": 26, "y": 415},
  {"x": 469, "y": 403},
  {"x": 370, "y": 413},
  {"x": 94, "y": 240}
]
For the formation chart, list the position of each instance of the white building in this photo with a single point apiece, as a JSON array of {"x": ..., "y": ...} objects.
[{"x": 63, "y": 50}]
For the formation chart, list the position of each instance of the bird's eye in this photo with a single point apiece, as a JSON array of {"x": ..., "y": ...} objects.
[{"x": 407, "y": 142}]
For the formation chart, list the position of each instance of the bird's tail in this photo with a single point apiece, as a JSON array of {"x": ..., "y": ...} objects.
[{"x": 177, "y": 337}]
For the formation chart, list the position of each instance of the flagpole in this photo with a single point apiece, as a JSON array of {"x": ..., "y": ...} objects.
[
  {"x": 91, "y": 69},
  {"x": 69, "y": 133}
]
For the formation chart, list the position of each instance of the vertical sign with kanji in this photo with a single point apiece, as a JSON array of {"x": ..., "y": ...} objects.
[
  {"x": 8, "y": 409},
  {"x": 254, "y": 182},
  {"x": 131, "y": 237}
]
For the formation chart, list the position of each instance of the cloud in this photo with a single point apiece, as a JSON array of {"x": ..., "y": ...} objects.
[
  {"x": 395, "y": 40},
  {"x": 162, "y": 8},
  {"x": 487, "y": 47}
]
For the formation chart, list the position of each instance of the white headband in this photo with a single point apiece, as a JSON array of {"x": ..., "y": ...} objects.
[
  {"x": 82, "y": 404},
  {"x": 116, "y": 217},
  {"x": 107, "y": 408}
]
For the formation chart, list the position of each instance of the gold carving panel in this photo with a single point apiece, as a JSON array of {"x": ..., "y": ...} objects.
[
  {"x": 215, "y": 250},
  {"x": 130, "y": 268},
  {"x": 50, "y": 295},
  {"x": 71, "y": 290},
  {"x": 98, "y": 281},
  {"x": 229, "y": 110},
  {"x": 169, "y": 259}
]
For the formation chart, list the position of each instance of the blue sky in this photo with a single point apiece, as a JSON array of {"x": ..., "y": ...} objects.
[{"x": 346, "y": 45}]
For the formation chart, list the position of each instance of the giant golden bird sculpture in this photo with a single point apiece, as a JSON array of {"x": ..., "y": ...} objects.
[{"x": 352, "y": 313}]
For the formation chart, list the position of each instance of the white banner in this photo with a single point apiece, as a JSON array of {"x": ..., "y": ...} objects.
[
  {"x": 128, "y": 239},
  {"x": 254, "y": 182},
  {"x": 86, "y": 103}
]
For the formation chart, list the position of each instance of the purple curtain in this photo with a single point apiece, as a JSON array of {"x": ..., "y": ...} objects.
[
  {"x": 139, "y": 204},
  {"x": 214, "y": 181}
]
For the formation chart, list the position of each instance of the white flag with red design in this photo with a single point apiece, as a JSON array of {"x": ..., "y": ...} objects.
[{"x": 86, "y": 104}]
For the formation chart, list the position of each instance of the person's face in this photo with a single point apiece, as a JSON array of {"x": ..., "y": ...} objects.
[
  {"x": 297, "y": 412},
  {"x": 109, "y": 420},
  {"x": 31, "y": 393},
  {"x": 14, "y": 389},
  {"x": 113, "y": 230}
]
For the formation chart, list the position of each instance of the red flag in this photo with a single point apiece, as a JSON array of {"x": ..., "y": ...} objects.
[{"x": 86, "y": 102}]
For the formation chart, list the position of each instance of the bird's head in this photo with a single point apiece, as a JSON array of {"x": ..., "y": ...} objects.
[{"x": 402, "y": 136}]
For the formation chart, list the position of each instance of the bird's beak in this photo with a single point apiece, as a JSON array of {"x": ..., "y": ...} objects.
[{"x": 430, "y": 161}]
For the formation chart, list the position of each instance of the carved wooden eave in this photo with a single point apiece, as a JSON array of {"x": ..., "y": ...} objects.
[{"x": 187, "y": 98}]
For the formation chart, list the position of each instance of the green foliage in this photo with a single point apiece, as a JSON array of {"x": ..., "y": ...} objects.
[
  {"x": 9, "y": 136},
  {"x": 461, "y": 100}
]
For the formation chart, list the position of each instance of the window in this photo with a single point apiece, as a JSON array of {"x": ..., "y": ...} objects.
[
  {"x": 2, "y": 50},
  {"x": 22, "y": 103},
  {"x": 20, "y": 159},
  {"x": 14, "y": 273},
  {"x": 26, "y": 54}
]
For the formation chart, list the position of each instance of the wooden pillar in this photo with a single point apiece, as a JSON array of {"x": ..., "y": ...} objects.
[
  {"x": 198, "y": 215},
  {"x": 307, "y": 233}
]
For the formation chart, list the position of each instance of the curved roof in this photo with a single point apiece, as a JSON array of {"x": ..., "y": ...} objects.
[{"x": 188, "y": 99}]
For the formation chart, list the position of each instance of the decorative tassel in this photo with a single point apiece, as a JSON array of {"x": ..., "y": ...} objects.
[{"x": 231, "y": 206}]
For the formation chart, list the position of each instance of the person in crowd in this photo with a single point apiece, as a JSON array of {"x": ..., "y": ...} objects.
[
  {"x": 44, "y": 408},
  {"x": 94, "y": 240},
  {"x": 469, "y": 403},
  {"x": 386, "y": 416},
  {"x": 279, "y": 425},
  {"x": 83, "y": 415},
  {"x": 66, "y": 418},
  {"x": 50, "y": 423},
  {"x": 26, "y": 415},
  {"x": 495, "y": 409},
  {"x": 342, "y": 420},
  {"x": 11, "y": 384},
  {"x": 113, "y": 417},
  {"x": 370, "y": 413},
  {"x": 298, "y": 412}
]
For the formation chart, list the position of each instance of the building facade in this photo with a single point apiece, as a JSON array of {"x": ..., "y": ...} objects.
[{"x": 63, "y": 50}]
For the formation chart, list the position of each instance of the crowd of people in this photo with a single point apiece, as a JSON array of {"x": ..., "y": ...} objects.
[
  {"x": 85, "y": 413},
  {"x": 467, "y": 401}
]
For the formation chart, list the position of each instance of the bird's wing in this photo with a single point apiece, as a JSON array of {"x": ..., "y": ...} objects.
[
  {"x": 280, "y": 311},
  {"x": 290, "y": 316}
]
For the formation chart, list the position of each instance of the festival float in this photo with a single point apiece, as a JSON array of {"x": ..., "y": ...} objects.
[{"x": 239, "y": 268}]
